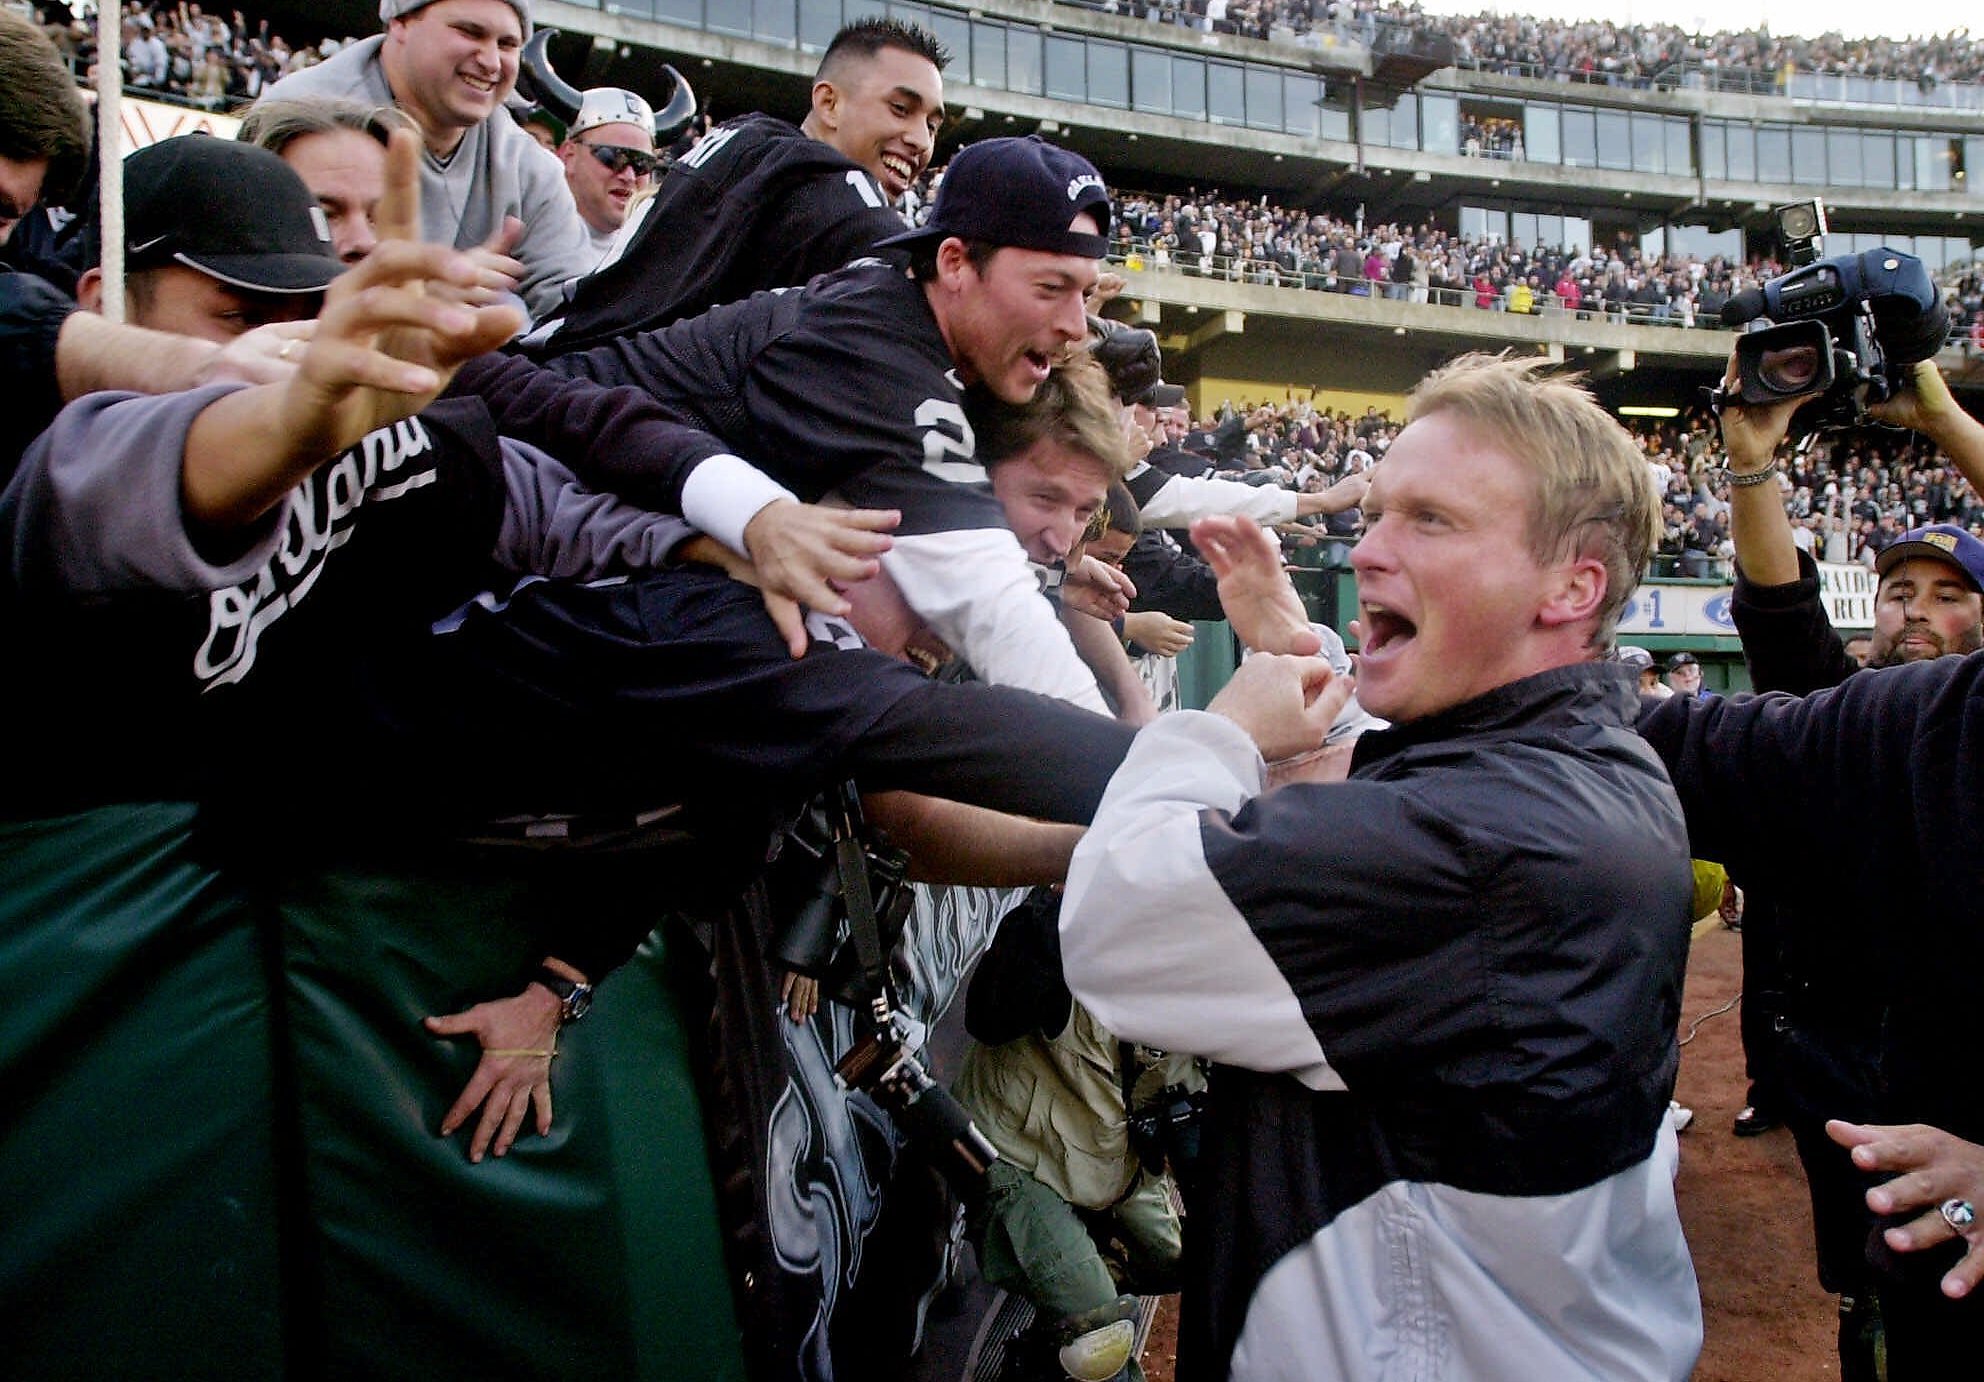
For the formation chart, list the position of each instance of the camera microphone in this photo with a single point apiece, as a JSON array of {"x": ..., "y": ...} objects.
[{"x": 1744, "y": 308}]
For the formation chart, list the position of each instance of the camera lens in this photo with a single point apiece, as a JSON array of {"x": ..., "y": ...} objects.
[
  {"x": 1789, "y": 371},
  {"x": 1797, "y": 222}
]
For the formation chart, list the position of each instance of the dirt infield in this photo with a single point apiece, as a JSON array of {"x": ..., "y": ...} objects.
[{"x": 1743, "y": 1202}]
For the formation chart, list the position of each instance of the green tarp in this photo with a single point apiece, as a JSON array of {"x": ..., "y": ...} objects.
[{"x": 217, "y": 1144}]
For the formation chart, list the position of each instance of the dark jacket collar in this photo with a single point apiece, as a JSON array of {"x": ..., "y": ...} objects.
[{"x": 1581, "y": 694}]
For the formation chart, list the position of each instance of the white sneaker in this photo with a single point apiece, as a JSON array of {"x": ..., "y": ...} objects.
[{"x": 1679, "y": 1115}]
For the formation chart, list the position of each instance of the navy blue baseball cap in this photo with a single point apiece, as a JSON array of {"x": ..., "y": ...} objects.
[
  {"x": 1944, "y": 542},
  {"x": 1018, "y": 192}
]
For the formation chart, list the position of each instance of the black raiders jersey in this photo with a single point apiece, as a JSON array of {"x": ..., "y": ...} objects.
[
  {"x": 756, "y": 204},
  {"x": 844, "y": 386}
]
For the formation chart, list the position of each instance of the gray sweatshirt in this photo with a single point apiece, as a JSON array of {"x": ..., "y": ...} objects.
[{"x": 496, "y": 171}]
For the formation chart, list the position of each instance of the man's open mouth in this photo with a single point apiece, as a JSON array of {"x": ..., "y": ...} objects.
[
  {"x": 1382, "y": 628},
  {"x": 900, "y": 168}
]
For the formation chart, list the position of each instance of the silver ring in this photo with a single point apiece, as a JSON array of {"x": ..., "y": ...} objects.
[{"x": 1958, "y": 1213}]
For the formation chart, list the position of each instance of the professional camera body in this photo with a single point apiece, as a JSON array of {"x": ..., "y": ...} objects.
[
  {"x": 1166, "y": 1132},
  {"x": 837, "y": 874},
  {"x": 1845, "y": 328}
]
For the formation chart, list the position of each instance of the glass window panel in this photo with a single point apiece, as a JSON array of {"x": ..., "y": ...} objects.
[
  {"x": 1549, "y": 231},
  {"x": 1405, "y": 123},
  {"x": 1522, "y": 229},
  {"x": 1333, "y": 118},
  {"x": 1474, "y": 223},
  {"x": 1188, "y": 88},
  {"x": 852, "y": 10},
  {"x": 1653, "y": 244},
  {"x": 1680, "y": 154},
  {"x": 988, "y": 53},
  {"x": 1263, "y": 97},
  {"x": 1299, "y": 95},
  {"x": 1699, "y": 242},
  {"x": 1973, "y": 167},
  {"x": 1226, "y": 94},
  {"x": 1066, "y": 79},
  {"x": 1773, "y": 153},
  {"x": 1877, "y": 159},
  {"x": 1615, "y": 140},
  {"x": 1377, "y": 131},
  {"x": 1108, "y": 74},
  {"x": 728, "y": 18},
  {"x": 1577, "y": 233},
  {"x": 1540, "y": 129},
  {"x": 775, "y": 21},
  {"x": 910, "y": 14},
  {"x": 1439, "y": 124},
  {"x": 1932, "y": 163},
  {"x": 1649, "y": 144},
  {"x": 1023, "y": 60},
  {"x": 1715, "y": 157},
  {"x": 1150, "y": 80},
  {"x": 689, "y": 12},
  {"x": 819, "y": 21},
  {"x": 953, "y": 30},
  {"x": 1580, "y": 139},
  {"x": 1808, "y": 157},
  {"x": 1742, "y": 153},
  {"x": 1843, "y": 148},
  {"x": 643, "y": 9}
]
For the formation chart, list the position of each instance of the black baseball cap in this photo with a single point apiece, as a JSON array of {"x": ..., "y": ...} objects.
[
  {"x": 233, "y": 211},
  {"x": 1020, "y": 192},
  {"x": 1162, "y": 395},
  {"x": 1680, "y": 660}
]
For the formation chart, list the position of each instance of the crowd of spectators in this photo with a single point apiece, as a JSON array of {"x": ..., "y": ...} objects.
[
  {"x": 186, "y": 52},
  {"x": 1849, "y": 496},
  {"x": 1258, "y": 241},
  {"x": 1584, "y": 50}
]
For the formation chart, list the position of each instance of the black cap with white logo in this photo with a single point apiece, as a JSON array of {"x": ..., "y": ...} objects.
[{"x": 234, "y": 212}]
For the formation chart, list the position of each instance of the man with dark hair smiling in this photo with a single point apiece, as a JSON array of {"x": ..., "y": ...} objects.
[{"x": 759, "y": 204}]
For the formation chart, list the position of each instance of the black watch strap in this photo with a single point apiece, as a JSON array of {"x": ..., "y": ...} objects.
[{"x": 574, "y": 998}]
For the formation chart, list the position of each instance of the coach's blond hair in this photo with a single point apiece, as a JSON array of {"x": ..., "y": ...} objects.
[{"x": 1592, "y": 498}]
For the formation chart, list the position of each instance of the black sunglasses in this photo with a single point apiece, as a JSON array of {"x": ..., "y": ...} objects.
[{"x": 614, "y": 157}]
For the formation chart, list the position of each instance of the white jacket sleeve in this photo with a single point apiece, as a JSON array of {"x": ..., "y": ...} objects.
[
  {"x": 974, "y": 588},
  {"x": 1185, "y": 498},
  {"x": 1150, "y": 943}
]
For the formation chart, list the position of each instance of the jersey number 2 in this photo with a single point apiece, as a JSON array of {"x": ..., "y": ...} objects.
[{"x": 948, "y": 443}]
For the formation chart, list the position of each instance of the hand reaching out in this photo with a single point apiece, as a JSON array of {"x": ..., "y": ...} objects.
[
  {"x": 1157, "y": 631},
  {"x": 1255, "y": 591},
  {"x": 1285, "y": 704},
  {"x": 1097, "y": 589},
  {"x": 804, "y": 553}
]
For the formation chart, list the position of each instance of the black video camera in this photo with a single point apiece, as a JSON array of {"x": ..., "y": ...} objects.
[
  {"x": 1845, "y": 328},
  {"x": 1128, "y": 355}
]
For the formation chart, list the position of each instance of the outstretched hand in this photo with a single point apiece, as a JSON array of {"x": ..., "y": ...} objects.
[
  {"x": 384, "y": 344},
  {"x": 519, "y": 1036},
  {"x": 1934, "y": 1166},
  {"x": 803, "y": 554},
  {"x": 1097, "y": 589},
  {"x": 1259, "y": 599},
  {"x": 1285, "y": 704}
]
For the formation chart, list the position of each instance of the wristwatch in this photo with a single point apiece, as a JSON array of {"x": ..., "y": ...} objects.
[{"x": 574, "y": 998}]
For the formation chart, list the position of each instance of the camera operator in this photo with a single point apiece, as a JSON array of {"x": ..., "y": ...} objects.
[
  {"x": 1093, "y": 1134},
  {"x": 1817, "y": 1036}
]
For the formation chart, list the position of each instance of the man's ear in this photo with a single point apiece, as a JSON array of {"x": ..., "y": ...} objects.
[
  {"x": 953, "y": 261},
  {"x": 1577, "y": 590},
  {"x": 826, "y": 104},
  {"x": 89, "y": 290}
]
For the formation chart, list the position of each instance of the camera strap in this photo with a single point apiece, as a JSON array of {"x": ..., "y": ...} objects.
[{"x": 844, "y": 816}]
